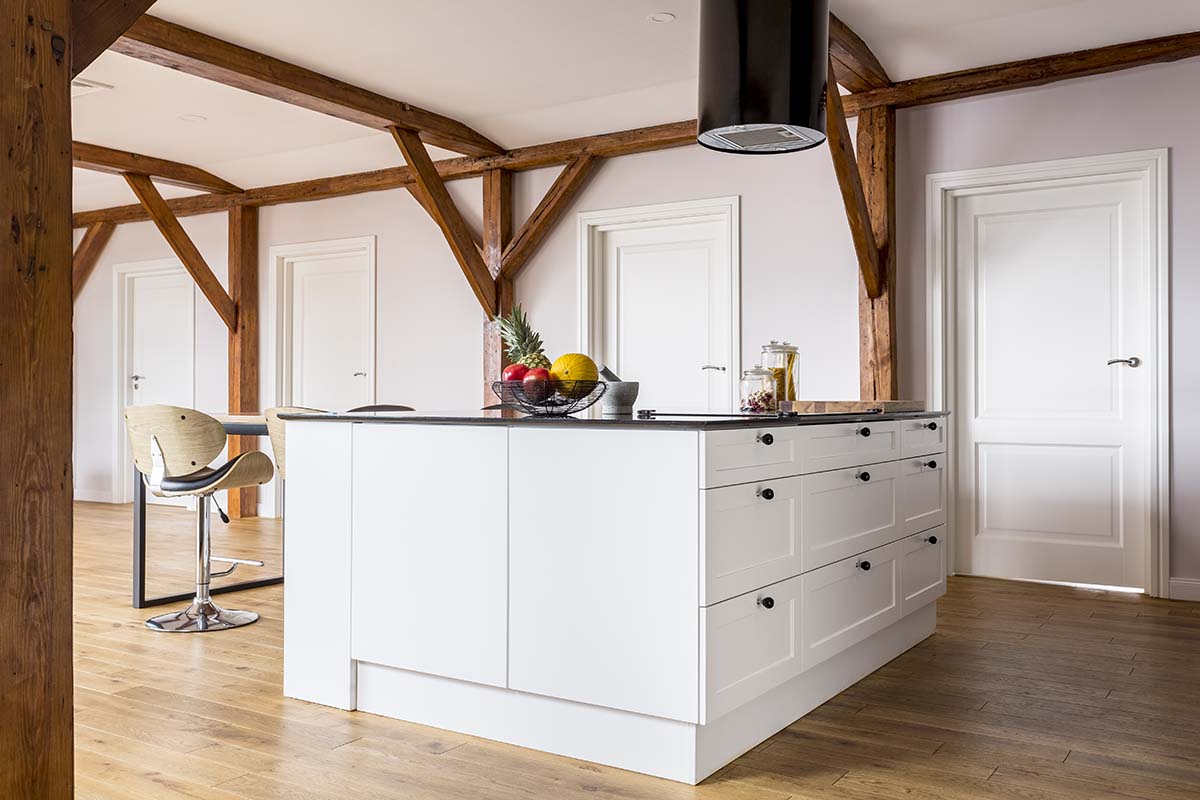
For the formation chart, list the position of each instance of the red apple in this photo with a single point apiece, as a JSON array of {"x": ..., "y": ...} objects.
[
  {"x": 514, "y": 372},
  {"x": 536, "y": 384}
]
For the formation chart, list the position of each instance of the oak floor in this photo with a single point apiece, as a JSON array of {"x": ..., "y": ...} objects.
[{"x": 1027, "y": 692}]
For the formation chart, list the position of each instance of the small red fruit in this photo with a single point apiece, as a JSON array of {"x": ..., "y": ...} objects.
[
  {"x": 514, "y": 372},
  {"x": 536, "y": 384}
]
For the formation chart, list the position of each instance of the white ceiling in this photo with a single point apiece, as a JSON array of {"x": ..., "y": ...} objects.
[{"x": 520, "y": 71}]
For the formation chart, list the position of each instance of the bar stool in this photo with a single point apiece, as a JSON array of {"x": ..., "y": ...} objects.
[
  {"x": 276, "y": 427},
  {"x": 172, "y": 447},
  {"x": 383, "y": 407}
]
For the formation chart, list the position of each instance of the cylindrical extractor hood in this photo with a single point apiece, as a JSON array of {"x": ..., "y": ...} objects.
[{"x": 763, "y": 67}]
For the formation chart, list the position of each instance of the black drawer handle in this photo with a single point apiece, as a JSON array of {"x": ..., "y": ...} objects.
[
  {"x": 865, "y": 566},
  {"x": 930, "y": 426},
  {"x": 766, "y": 602},
  {"x": 767, "y": 494},
  {"x": 863, "y": 431},
  {"x": 931, "y": 539},
  {"x": 766, "y": 438},
  {"x": 863, "y": 476},
  {"x": 931, "y": 464}
]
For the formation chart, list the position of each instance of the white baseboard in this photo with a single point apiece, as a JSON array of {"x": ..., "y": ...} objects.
[
  {"x": 93, "y": 496},
  {"x": 1185, "y": 589},
  {"x": 266, "y": 510}
]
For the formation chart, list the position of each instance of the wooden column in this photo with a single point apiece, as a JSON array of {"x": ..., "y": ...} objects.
[
  {"x": 36, "y": 756},
  {"x": 497, "y": 233},
  {"x": 243, "y": 341},
  {"x": 877, "y": 315}
]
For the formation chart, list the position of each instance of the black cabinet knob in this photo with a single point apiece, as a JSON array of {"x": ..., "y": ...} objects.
[
  {"x": 864, "y": 476},
  {"x": 767, "y": 494},
  {"x": 766, "y": 602},
  {"x": 932, "y": 540},
  {"x": 766, "y": 438},
  {"x": 863, "y": 431},
  {"x": 931, "y": 426},
  {"x": 931, "y": 464},
  {"x": 865, "y": 566}
]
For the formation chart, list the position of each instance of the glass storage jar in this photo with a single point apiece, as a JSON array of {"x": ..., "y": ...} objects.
[
  {"x": 783, "y": 359},
  {"x": 758, "y": 391}
]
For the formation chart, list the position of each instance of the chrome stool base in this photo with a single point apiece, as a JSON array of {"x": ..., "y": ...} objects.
[{"x": 201, "y": 617}]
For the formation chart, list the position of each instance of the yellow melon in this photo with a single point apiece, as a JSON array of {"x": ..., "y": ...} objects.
[{"x": 575, "y": 367}]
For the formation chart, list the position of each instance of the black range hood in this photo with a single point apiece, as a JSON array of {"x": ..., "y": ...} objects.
[{"x": 763, "y": 68}]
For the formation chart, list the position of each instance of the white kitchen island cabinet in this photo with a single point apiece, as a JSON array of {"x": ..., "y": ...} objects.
[{"x": 656, "y": 595}]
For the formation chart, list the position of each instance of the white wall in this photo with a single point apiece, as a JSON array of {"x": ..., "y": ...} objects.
[
  {"x": 798, "y": 282},
  {"x": 1132, "y": 110}
]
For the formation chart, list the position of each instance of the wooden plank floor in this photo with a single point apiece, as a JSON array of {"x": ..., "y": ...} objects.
[{"x": 1026, "y": 691}]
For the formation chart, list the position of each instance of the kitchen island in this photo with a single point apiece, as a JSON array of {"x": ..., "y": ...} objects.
[{"x": 658, "y": 595}]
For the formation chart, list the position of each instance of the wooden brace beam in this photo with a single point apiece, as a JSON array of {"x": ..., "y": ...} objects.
[
  {"x": 855, "y": 66},
  {"x": 118, "y": 162},
  {"x": 546, "y": 215},
  {"x": 441, "y": 206},
  {"x": 88, "y": 253},
  {"x": 179, "y": 241},
  {"x": 846, "y": 167},
  {"x": 96, "y": 24},
  {"x": 170, "y": 45}
]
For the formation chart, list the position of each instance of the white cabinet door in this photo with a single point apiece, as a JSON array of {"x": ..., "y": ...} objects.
[
  {"x": 740, "y": 456},
  {"x": 430, "y": 527},
  {"x": 848, "y": 444},
  {"x": 750, "y": 537},
  {"x": 846, "y": 602},
  {"x": 920, "y": 437},
  {"x": 923, "y": 570},
  {"x": 604, "y": 586},
  {"x": 922, "y": 493},
  {"x": 848, "y": 511},
  {"x": 751, "y": 645}
]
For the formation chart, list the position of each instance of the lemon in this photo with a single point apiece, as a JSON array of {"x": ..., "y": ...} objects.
[{"x": 575, "y": 367}]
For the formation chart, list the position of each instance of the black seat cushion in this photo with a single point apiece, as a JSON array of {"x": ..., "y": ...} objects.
[{"x": 198, "y": 480}]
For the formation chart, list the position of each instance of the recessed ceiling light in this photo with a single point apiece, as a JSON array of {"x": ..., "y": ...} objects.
[
  {"x": 193, "y": 118},
  {"x": 661, "y": 16}
]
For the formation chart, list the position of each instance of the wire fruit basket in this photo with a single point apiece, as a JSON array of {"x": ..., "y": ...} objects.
[{"x": 549, "y": 398}]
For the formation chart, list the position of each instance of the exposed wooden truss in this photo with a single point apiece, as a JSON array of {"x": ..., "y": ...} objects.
[
  {"x": 497, "y": 233},
  {"x": 243, "y": 342},
  {"x": 854, "y": 65},
  {"x": 96, "y": 24},
  {"x": 1026, "y": 73},
  {"x": 118, "y": 162},
  {"x": 546, "y": 215},
  {"x": 183, "y": 246},
  {"x": 170, "y": 45},
  {"x": 876, "y": 314},
  {"x": 88, "y": 253}
]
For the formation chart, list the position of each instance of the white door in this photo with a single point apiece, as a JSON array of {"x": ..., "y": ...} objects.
[
  {"x": 664, "y": 304},
  {"x": 1053, "y": 282},
  {"x": 159, "y": 344},
  {"x": 329, "y": 327}
]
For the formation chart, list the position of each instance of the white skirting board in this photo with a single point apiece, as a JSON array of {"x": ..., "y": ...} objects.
[
  {"x": 666, "y": 748},
  {"x": 1185, "y": 589}
]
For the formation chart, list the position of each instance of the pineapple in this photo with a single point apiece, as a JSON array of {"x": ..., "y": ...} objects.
[{"x": 523, "y": 343}]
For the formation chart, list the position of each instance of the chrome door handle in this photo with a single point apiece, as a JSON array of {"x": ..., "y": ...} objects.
[
  {"x": 1133, "y": 361},
  {"x": 713, "y": 366},
  {"x": 137, "y": 377},
  {"x": 360, "y": 374}
]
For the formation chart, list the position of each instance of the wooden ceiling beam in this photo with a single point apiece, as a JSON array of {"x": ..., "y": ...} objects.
[
  {"x": 441, "y": 207},
  {"x": 117, "y": 162},
  {"x": 96, "y": 24},
  {"x": 88, "y": 253},
  {"x": 183, "y": 246},
  {"x": 1026, "y": 73},
  {"x": 543, "y": 219},
  {"x": 639, "y": 140},
  {"x": 186, "y": 50},
  {"x": 855, "y": 66}
]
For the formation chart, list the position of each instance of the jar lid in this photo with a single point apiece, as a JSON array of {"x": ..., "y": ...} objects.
[
  {"x": 757, "y": 371},
  {"x": 777, "y": 347}
]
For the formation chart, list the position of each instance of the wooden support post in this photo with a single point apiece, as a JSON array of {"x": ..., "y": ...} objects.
[
  {"x": 877, "y": 315},
  {"x": 497, "y": 233},
  {"x": 36, "y": 712},
  {"x": 88, "y": 253},
  {"x": 243, "y": 342}
]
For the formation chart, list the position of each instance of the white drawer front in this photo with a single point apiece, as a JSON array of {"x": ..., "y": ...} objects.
[
  {"x": 919, "y": 437},
  {"x": 742, "y": 456},
  {"x": 750, "y": 537},
  {"x": 848, "y": 444},
  {"x": 848, "y": 511},
  {"x": 846, "y": 602},
  {"x": 749, "y": 648},
  {"x": 922, "y": 494},
  {"x": 923, "y": 571}
]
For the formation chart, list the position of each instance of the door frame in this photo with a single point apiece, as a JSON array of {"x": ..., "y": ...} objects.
[
  {"x": 122, "y": 474},
  {"x": 942, "y": 190},
  {"x": 593, "y": 224},
  {"x": 281, "y": 258}
]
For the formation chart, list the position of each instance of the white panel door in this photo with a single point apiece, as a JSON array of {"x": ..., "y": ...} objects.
[
  {"x": 1052, "y": 441},
  {"x": 667, "y": 313},
  {"x": 160, "y": 344},
  {"x": 332, "y": 330}
]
